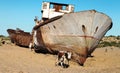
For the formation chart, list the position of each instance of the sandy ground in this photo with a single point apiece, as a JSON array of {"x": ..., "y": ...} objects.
[{"x": 14, "y": 59}]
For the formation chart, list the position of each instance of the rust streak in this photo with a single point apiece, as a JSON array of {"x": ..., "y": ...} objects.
[{"x": 77, "y": 36}]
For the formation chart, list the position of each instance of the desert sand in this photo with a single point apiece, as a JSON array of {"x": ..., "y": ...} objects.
[{"x": 15, "y": 59}]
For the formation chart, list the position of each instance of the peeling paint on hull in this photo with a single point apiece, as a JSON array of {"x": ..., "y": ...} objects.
[{"x": 78, "y": 32}]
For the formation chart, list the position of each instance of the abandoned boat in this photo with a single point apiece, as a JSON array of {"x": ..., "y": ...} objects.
[
  {"x": 62, "y": 29},
  {"x": 19, "y": 37}
]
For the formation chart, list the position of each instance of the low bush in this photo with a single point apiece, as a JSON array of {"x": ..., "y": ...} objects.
[{"x": 106, "y": 44}]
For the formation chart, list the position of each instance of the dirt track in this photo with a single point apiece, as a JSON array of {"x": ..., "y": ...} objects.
[{"x": 14, "y": 59}]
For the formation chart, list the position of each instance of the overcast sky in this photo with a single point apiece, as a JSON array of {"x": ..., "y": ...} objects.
[{"x": 21, "y": 13}]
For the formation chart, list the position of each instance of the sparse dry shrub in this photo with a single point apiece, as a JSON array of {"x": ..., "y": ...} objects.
[
  {"x": 106, "y": 44},
  {"x": 118, "y": 37}
]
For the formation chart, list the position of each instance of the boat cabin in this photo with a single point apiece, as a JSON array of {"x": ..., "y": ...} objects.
[{"x": 50, "y": 9}]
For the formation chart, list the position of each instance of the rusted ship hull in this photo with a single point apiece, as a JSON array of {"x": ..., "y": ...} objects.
[
  {"x": 20, "y": 38},
  {"x": 78, "y": 32}
]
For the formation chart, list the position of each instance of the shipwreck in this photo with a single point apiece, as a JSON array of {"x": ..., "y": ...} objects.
[
  {"x": 19, "y": 37},
  {"x": 62, "y": 29}
]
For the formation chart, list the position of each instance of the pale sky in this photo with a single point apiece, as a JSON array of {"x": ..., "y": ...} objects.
[{"x": 21, "y": 13}]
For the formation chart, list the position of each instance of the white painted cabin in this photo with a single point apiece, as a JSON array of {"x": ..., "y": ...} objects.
[{"x": 50, "y": 9}]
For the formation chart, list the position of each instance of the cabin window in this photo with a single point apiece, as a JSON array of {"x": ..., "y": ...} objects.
[
  {"x": 72, "y": 9},
  {"x": 63, "y": 7},
  {"x": 45, "y": 6},
  {"x": 58, "y": 7},
  {"x": 51, "y": 6}
]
